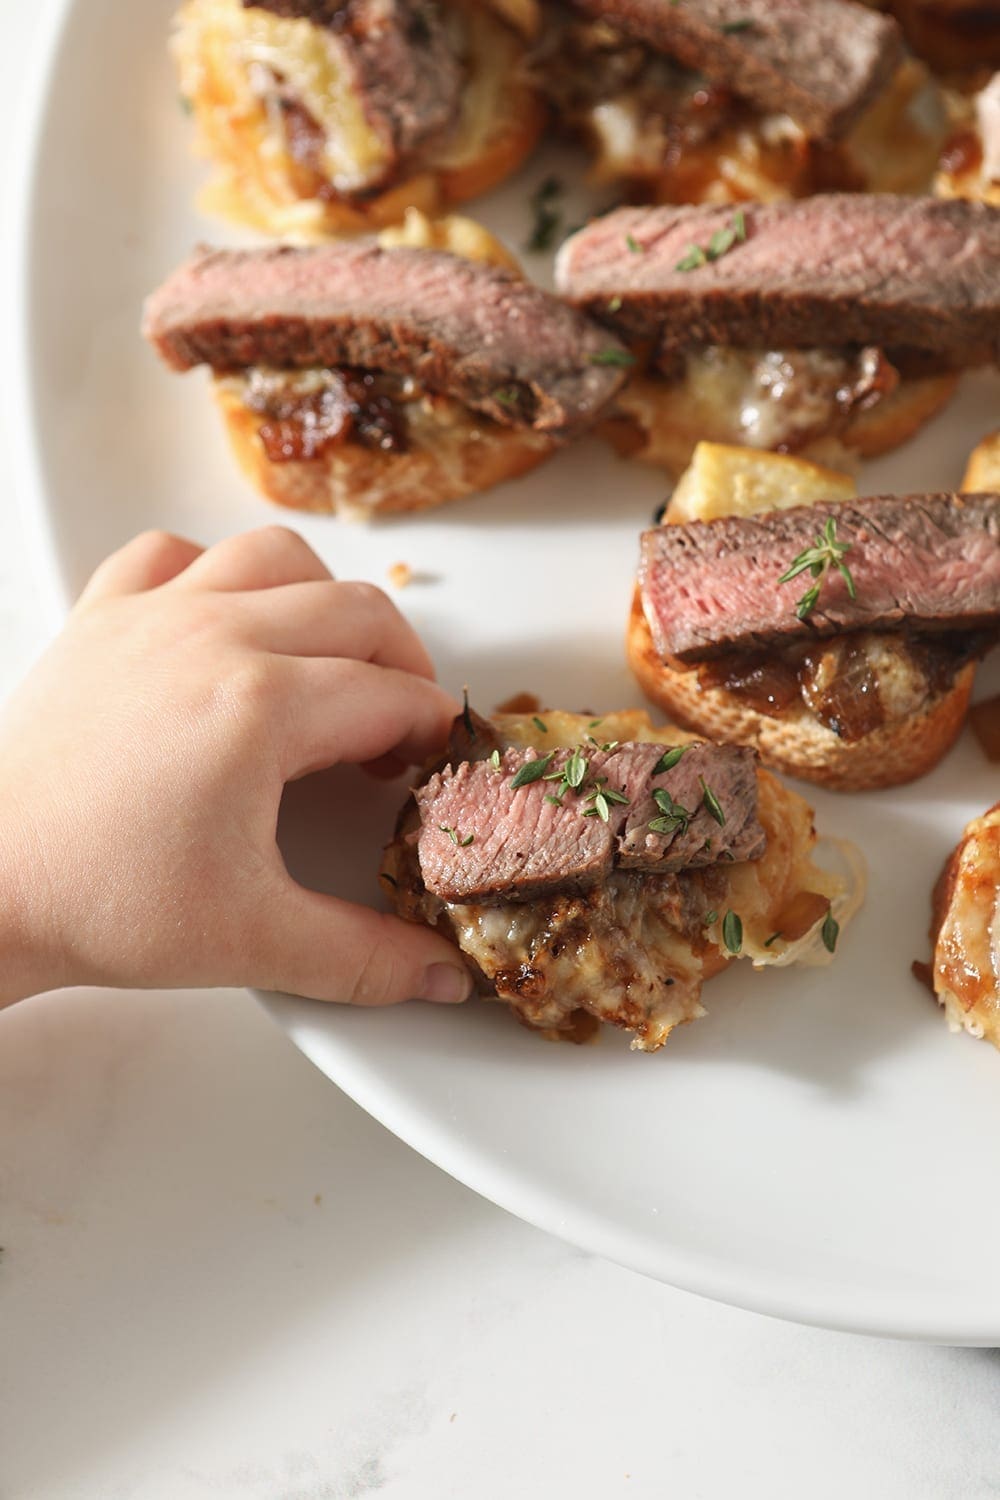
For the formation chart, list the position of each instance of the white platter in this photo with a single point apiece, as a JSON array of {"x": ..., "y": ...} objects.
[{"x": 819, "y": 1147}]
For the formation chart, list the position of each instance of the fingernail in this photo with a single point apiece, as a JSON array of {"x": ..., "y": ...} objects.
[{"x": 446, "y": 985}]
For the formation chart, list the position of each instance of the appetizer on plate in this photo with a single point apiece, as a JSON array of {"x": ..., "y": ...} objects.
[
  {"x": 713, "y": 103},
  {"x": 602, "y": 869},
  {"x": 332, "y": 116},
  {"x": 965, "y": 931},
  {"x": 830, "y": 325},
  {"x": 970, "y": 162},
  {"x": 361, "y": 378},
  {"x": 838, "y": 637}
]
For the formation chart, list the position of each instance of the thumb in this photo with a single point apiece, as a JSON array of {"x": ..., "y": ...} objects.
[{"x": 328, "y": 949}]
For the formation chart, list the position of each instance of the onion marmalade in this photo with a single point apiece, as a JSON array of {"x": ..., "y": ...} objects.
[{"x": 853, "y": 684}]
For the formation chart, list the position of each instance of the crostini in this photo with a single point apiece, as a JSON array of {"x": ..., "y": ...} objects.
[
  {"x": 361, "y": 378},
  {"x": 838, "y": 637},
  {"x": 687, "y": 104},
  {"x": 832, "y": 326},
  {"x": 600, "y": 870},
  {"x": 334, "y": 116}
]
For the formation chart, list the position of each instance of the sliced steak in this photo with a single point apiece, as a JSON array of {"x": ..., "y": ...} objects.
[
  {"x": 484, "y": 839},
  {"x": 930, "y": 562},
  {"x": 829, "y": 271},
  {"x": 463, "y": 328},
  {"x": 820, "y": 61},
  {"x": 401, "y": 61}
]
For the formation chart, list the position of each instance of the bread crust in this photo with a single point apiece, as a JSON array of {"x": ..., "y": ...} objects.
[
  {"x": 468, "y": 454},
  {"x": 795, "y": 742},
  {"x": 661, "y": 423},
  {"x": 258, "y": 184}
]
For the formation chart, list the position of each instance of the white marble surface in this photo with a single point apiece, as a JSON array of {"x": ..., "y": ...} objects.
[{"x": 220, "y": 1279}]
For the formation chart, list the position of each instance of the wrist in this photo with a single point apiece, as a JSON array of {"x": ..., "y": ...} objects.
[{"x": 31, "y": 960}]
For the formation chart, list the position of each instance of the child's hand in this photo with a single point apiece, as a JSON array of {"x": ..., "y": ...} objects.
[{"x": 142, "y": 763}]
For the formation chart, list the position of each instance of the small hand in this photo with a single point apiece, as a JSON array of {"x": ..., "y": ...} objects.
[{"x": 142, "y": 763}]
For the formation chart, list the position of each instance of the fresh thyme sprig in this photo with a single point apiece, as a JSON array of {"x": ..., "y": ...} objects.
[
  {"x": 826, "y": 553},
  {"x": 571, "y": 777},
  {"x": 720, "y": 244},
  {"x": 602, "y": 797},
  {"x": 674, "y": 817}
]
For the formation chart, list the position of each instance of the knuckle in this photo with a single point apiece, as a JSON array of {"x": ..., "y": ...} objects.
[
  {"x": 253, "y": 683},
  {"x": 279, "y": 539},
  {"x": 368, "y": 596},
  {"x": 155, "y": 542}
]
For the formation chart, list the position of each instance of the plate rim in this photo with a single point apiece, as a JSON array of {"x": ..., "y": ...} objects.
[{"x": 720, "y": 1282}]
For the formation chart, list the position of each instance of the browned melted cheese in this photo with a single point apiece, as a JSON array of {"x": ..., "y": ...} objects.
[
  {"x": 966, "y": 931},
  {"x": 635, "y": 951}
]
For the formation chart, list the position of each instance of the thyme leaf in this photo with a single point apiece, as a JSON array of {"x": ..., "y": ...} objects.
[
  {"x": 612, "y": 357},
  {"x": 720, "y": 244},
  {"x": 825, "y": 553},
  {"x": 732, "y": 932},
  {"x": 668, "y": 760},
  {"x": 712, "y": 803},
  {"x": 830, "y": 932},
  {"x": 532, "y": 770}
]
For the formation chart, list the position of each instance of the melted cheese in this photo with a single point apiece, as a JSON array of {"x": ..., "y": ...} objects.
[{"x": 250, "y": 47}]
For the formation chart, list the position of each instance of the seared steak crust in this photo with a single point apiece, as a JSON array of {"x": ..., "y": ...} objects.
[
  {"x": 928, "y": 562},
  {"x": 820, "y": 61},
  {"x": 485, "y": 839},
  {"x": 464, "y": 329},
  {"x": 404, "y": 67},
  {"x": 829, "y": 271}
]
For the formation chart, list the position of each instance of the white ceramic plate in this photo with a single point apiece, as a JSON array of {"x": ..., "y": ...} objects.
[{"x": 819, "y": 1147}]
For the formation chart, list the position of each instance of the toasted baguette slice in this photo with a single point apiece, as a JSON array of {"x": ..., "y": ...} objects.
[
  {"x": 920, "y": 726},
  {"x": 660, "y": 422},
  {"x": 633, "y": 953},
  {"x": 259, "y": 182},
  {"x": 458, "y": 454},
  {"x": 794, "y": 741}
]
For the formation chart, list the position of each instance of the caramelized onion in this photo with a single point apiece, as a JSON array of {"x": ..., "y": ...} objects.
[
  {"x": 769, "y": 683},
  {"x": 963, "y": 152},
  {"x": 801, "y": 914},
  {"x": 519, "y": 703}
]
